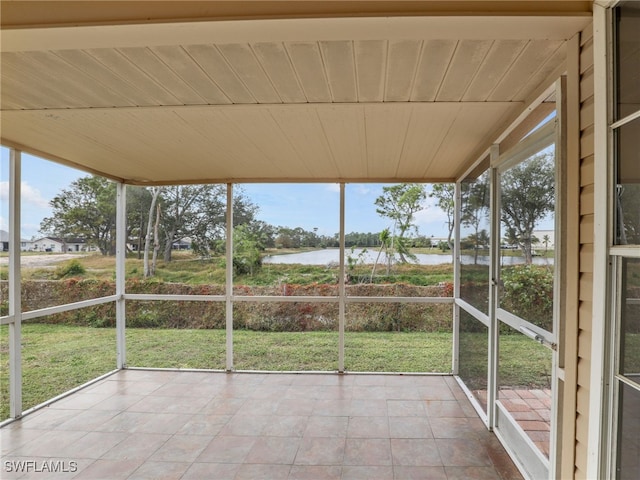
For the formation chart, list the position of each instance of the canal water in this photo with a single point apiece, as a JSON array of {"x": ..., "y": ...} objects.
[{"x": 330, "y": 256}]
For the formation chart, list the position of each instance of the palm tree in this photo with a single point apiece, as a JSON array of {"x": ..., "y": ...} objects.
[{"x": 385, "y": 239}]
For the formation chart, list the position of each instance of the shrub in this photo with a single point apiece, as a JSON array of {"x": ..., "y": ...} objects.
[
  {"x": 527, "y": 291},
  {"x": 72, "y": 268}
]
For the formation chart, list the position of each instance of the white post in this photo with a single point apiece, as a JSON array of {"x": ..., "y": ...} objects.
[
  {"x": 457, "y": 202},
  {"x": 601, "y": 235},
  {"x": 15, "y": 289},
  {"x": 561, "y": 260},
  {"x": 121, "y": 252},
  {"x": 229, "y": 278},
  {"x": 341, "y": 286},
  {"x": 494, "y": 273}
]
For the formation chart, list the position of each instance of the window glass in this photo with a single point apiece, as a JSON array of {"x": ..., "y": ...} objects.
[
  {"x": 524, "y": 384},
  {"x": 527, "y": 203},
  {"x": 289, "y": 245},
  {"x": 628, "y": 464},
  {"x": 68, "y": 229},
  {"x": 475, "y": 242},
  {"x": 474, "y": 356},
  {"x": 628, "y": 58},
  {"x": 628, "y": 184},
  {"x": 4, "y": 234},
  {"x": 630, "y": 321},
  {"x": 285, "y": 336},
  {"x": 398, "y": 337}
]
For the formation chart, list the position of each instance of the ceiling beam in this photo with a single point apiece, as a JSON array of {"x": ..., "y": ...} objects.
[
  {"x": 34, "y": 13},
  {"x": 291, "y": 30}
]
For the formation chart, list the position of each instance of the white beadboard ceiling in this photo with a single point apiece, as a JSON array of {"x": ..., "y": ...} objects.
[{"x": 389, "y": 98}]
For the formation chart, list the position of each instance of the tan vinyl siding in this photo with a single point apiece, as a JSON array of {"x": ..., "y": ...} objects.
[
  {"x": 586, "y": 249},
  {"x": 586, "y": 171}
]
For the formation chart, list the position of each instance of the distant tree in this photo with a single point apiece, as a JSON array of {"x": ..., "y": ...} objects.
[
  {"x": 360, "y": 239},
  {"x": 475, "y": 208},
  {"x": 400, "y": 203},
  {"x": 546, "y": 240},
  {"x": 445, "y": 194},
  {"x": 288, "y": 238},
  {"x": 527, "y": 197},
  {"x": 246, "y": 251},
  {"x": 198, "y": 212},
  {"x": 262, "y": 233},
  {"x": 86, "y": 209},
  {"x": 385, "y": 243}
]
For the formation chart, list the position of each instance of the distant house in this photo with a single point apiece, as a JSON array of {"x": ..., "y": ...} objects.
[
  {"x": 26, "y": 245},
  {"x": 59, "y": 245},
  {"x": 4, "y": 242},
  {"x": 184, "y": 244}
]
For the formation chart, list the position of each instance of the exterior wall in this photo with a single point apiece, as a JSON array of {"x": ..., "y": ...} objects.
[{"x": 586, "y": 250}]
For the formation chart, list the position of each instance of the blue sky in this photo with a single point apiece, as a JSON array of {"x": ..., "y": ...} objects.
[{"x": 292, "y": 205}]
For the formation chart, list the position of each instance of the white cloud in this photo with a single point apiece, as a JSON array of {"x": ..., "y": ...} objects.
[
  {"x": 431, "y": 220},
  {"x": 363, "y": 189},
  {"x": 30, "y": 195},
  {"x": 333, "y": 187}
]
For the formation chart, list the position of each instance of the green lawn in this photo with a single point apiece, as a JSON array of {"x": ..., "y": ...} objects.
[{"x": 57, "y": 358}]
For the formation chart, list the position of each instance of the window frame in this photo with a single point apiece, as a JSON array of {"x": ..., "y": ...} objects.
[{"x": 616, "y": 254}]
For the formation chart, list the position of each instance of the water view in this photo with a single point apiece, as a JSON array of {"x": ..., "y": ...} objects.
[{"x": 330, "y": 256}]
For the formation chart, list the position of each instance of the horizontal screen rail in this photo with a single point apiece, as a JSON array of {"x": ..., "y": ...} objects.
[
  {"x": 284, "y": 298},
  {"x": 67, "y": 307}
]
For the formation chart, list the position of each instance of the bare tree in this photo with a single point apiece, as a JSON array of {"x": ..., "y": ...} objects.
[{"x": 149, "y": 271}]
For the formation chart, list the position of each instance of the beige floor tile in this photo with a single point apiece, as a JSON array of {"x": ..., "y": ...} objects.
[
  {"x": 415, "y": 452},
  {"x": 137, "y": 446},
  {"x": 352, "y": 472},
  {"x": 197, "y": 425},
  {"x": 368, "y": 427},
  {"x": 419, "y": 473},
  {"x": 286, "y": 426},
  {"x": 246, "y": 425},
  {"x": 160, "y": 471},
  {"x": 202, "y": 424},
  {"x": 409, "y": 427},
  {"x": 181, "y": 448},
  {"x": 274, "y": 450},
  {"x": 109, "y": 469},
  {"x": 315, "y": 472},
  {"x": 459, "y": 452},
  {"x": 367, "y": 451},
  {"x": 406, "y": 408},
  {"x": 227, "y": 449},
  {"x": 217, "y": 471},
  {"x": 322, "y": 426},
  {"x": 320, "y": 451},
  {"x": 262, "y": 472}
]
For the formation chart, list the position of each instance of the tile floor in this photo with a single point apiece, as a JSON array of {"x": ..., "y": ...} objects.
[
  {"x": 530, "y": 408},
  {"x": 140, "y": 424}
]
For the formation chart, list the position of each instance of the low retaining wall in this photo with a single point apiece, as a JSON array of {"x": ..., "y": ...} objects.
[{"x": 263, "y": 316}]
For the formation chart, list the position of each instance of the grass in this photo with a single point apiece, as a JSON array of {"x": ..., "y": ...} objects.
[{"x": 57, "y": 358}]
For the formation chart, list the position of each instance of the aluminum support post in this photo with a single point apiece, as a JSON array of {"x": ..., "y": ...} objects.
[
  {"x": 121, "y": 253},
  {"x": 15, "y": 287},
  {"x": 229, "y": 279}
]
